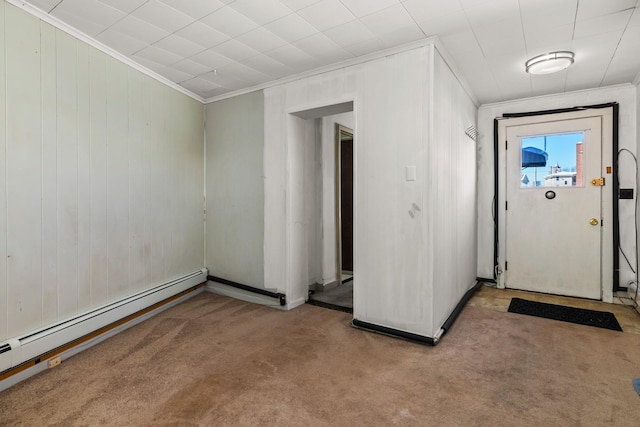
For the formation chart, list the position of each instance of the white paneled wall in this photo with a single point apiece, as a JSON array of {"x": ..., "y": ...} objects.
[
  {"x": 452, "y": 192},
  {"x": 235, "y": 189},
  {"x": 101, "y": 177},
  {"x": 394, "y": 219}
]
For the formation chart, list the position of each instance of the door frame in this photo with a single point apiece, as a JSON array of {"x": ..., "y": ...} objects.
[
  {"x": 339, "y": 129},
  {"x": 609, "y": 115}
]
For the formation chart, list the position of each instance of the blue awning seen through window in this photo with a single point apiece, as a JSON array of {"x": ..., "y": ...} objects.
[{"x": 533, "y": 157}]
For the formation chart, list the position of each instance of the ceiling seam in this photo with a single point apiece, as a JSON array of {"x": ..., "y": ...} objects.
[
  {"x": 604, "y": 76},
  {"x": 484, "y": 55}
]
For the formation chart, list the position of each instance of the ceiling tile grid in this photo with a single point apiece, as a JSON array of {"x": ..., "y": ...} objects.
[{"x": 213, "y": 47}]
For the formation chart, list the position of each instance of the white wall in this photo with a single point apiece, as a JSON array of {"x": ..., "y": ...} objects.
[
  {"x": 625, "y": 95},
  {"x": 235, "y": 188},
  {"x": 452, "y": 155},
  {"x": 101, "y": 178},
  {"x": 394, "y": 218}
]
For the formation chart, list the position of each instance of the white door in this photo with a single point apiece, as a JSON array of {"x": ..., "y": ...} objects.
[{"x": 553, "y": 213}]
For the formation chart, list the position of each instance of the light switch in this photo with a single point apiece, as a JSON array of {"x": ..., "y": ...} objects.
[{"x": 411, "y": 173}]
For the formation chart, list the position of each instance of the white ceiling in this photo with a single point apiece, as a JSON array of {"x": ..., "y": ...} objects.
[{"x": 213, "y": 47}]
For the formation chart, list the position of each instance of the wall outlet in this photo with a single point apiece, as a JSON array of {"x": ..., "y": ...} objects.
[
  {"x": 626, "y": 193},
  {"x": 55, "y": 362}
]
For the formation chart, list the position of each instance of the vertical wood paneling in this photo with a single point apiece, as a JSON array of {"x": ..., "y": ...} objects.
[
  {"x": 148, "y": 149},
  {"x": 4, "y": 316},
  {"x": 137, "y": 165},
  {"x": 84, "y": 177},
  {"x": 67, "y": 101},
  {"x": 24, "y": 171},
  {"x": 49, "y": 174},
  {"x": 117, "y": 179},
  {"x": 101, "y": 178},
  {"x": 98, "y": 148}
]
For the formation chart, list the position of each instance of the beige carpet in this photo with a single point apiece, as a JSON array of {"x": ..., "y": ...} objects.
[{"x": 215, "y": 361}]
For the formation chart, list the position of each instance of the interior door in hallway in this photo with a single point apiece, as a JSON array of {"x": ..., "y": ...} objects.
[
  {"x": 346, "y": 199},
  {"x": 553, "y": 208}
]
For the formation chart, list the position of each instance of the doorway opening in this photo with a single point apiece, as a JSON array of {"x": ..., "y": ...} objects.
[{"x": 338, "y": 295}]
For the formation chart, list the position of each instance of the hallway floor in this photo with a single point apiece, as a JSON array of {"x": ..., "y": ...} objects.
[{"x": 499, "y": 299}]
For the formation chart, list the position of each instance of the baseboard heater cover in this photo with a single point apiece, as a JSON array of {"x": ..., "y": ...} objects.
[
  {"x": 421, "y": 338},
  {"x": 396, "y": 333},
  {"x": 280, "y": 296},
  {"x": 31, "y": 347}
]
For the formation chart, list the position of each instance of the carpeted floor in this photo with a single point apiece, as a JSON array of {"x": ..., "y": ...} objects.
[{"x": 215, "y": 361}]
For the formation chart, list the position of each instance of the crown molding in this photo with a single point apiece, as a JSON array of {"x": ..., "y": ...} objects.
[{"x": 40, "y": 14}]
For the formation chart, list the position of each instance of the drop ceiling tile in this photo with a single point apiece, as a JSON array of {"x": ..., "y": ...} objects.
[
  {"x": 602, "y": 24},
  {"x": 245, "y": 73},
  {"x": 425, "y": 10},
  {"x": 326, "y": 14},
  {"x": 293, "y": 57},
  {"x": 447, "y": 24},
  {"x": 191, "y": 67},
  {"x": 268, "y": 66},
  {"x": 162, "y": 16},
  {"x": 493, "y": 12},
  {"x": 298, "y": 4},
  {"x": 126, "y": 6},
  {"x": 365, "y": 47},
  {"x": 557, "y": 38},
  {"x": 157, "y": 55},
  {"x": 179, "y": 45},
  {"x": 97, "y": 15},
  {"x": 402, "y": 35},
  {"x": 350, "y": 33},
  {"x": 195, "y": 8},
  {"x": 261, "y": 12},
  {"x": 211, "y": 59},
  {"x": 139, "y": 29},
  {"x": 592, "y": 8},
  {"x": 229, "y": 21},
  {"x": 541, "y": 15},
  {"x": 291, "y": 28},
  {"x": 120, "y": 42},
  {"x": 202, "y": 34},
  {"x": 323, "y": 49},
  {"x": 635, "y": 18},
  {"x": 235, "y": 50},
  {"x": 174, "y": 75},
  {"x": 388, "y": 20},
  {"x": 45, "y": 5},
  {"x": 366, "y": 7},
  {"x": 261, "y": 40},
  {"x": 226, "y": 80},
  {"x": 498, "y": 32}
]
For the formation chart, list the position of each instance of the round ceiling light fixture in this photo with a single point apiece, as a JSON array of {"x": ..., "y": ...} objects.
[{"x": 549, "y": 62}]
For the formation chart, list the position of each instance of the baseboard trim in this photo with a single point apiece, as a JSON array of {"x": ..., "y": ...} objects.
[
  {"x": 395, "y": 333},
  {"x": 280, "y": 296}
]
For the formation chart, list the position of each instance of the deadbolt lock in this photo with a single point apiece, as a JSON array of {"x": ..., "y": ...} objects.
[
  {"x": 594, "y": 221},
  {"x": 599, "y": 182}
]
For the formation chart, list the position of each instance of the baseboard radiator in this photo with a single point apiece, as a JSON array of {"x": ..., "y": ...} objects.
[{"x": 25, "y": 351}]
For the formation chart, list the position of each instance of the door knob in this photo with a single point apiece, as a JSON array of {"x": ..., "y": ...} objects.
[{"x": 594, "y": 221}]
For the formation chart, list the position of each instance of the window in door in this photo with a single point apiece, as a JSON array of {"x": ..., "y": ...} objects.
[{"x": 554, "y": 160}]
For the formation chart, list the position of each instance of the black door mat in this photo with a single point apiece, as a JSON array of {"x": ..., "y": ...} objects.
[{"x": 581, "y": 316}]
